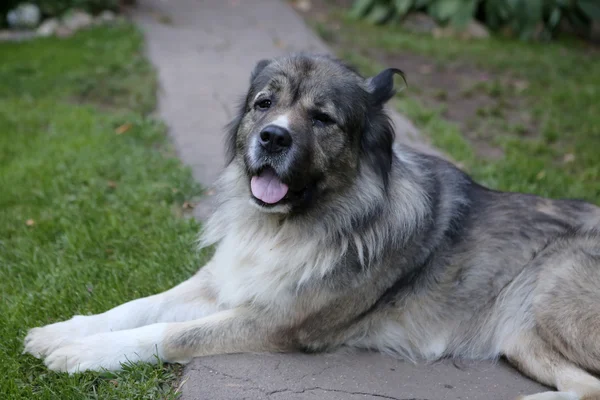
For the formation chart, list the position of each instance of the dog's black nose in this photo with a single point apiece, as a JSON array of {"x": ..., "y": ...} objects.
[{"x": 275, "y": 138}]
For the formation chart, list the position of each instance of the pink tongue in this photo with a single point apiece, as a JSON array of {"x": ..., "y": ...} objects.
[{"x": 267, "y": 187}]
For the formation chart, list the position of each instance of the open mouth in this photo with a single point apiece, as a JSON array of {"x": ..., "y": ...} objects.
[{"x": 268, "y": 189}]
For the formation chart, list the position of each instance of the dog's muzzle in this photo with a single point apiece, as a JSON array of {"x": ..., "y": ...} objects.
[
  {"x": 269, "y": 162},
  {"x": 266, "y": 185}
]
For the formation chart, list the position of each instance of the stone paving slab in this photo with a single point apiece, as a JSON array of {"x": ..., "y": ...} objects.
[
  {"x": 348, "y": 376},
  {"x": 204, "y": 51}
]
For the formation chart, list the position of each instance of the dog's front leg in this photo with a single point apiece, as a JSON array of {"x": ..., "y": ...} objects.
[
  {"x": 232, "y": 331},
  {"x": 187, "y": 301}
]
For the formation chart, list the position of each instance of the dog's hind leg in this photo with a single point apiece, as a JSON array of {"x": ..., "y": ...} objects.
[
  {"x": 534, "y": 357},
  {"x": 551, "y": 396},
  {"x": 564, "y": 341},
  {"x": 566, "y": 303},
  {"x": 187, "y": 301}
]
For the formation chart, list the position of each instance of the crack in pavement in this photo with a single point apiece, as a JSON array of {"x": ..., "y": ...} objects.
[
  {"x": 267, "y": 393},
  {"x": 380, "y": 396},
  {"x": 313, "y": 374},
  {"x": 214, "y": 370}
]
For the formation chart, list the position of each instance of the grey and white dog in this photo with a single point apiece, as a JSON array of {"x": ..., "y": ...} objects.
[{"x": 327, "y": 235}]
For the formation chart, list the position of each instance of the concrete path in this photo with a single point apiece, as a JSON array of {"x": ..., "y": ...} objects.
[{"x": 204, "y": 51}]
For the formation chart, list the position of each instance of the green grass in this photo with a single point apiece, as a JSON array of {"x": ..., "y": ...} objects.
[
  {"x": 562, "y": 96},
  {"x": 88, "y": 217}
]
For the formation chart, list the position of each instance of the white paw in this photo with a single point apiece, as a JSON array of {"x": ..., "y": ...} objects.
[
  {"x": 41, "y": 341},
  {"x": 551, "y": 396},
  {"x": 108, "y": 351}
]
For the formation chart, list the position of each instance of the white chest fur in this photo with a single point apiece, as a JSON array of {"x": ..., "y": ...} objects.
[{"x": 267, "y": 265}]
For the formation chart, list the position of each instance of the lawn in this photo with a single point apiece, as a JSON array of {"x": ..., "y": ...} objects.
[
  {"x": 517, "y": 116},
  {"x": 91, "y": 202}
]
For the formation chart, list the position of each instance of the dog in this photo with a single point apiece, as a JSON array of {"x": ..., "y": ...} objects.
[{"x": 327, "y": 234}]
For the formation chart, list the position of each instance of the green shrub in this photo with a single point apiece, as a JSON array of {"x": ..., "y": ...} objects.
[
  {"x": 54, "y": 8},
  {"x": 539, "y": 19}
]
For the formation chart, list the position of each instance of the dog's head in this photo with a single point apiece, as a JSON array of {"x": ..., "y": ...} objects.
[{"x": 307, "y": 125}]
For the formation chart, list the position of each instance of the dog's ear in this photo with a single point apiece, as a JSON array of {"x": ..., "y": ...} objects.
[
  {"x": 378, "y": 137},
  {"x": 376, "y": 143},
  {"x": 231, "y": 131},
  {"x": 233, "y": 126},
  {"x": 259, "y": 67},
  {"x": 381, "y": 86}
]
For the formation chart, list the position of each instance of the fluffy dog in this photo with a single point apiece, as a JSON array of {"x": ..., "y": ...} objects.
[{"x": 327, "y": 235}]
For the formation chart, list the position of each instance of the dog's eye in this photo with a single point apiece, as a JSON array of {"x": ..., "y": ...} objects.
[
  {"x": 263, "y": 104},
  {"x": 322, "y": 119}
]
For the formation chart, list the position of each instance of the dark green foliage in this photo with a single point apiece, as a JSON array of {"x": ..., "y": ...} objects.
[{"x": 528, "y": 19}]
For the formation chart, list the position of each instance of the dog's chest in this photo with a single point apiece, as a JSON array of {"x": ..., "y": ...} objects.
[{"x": 260, "y": 268}]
